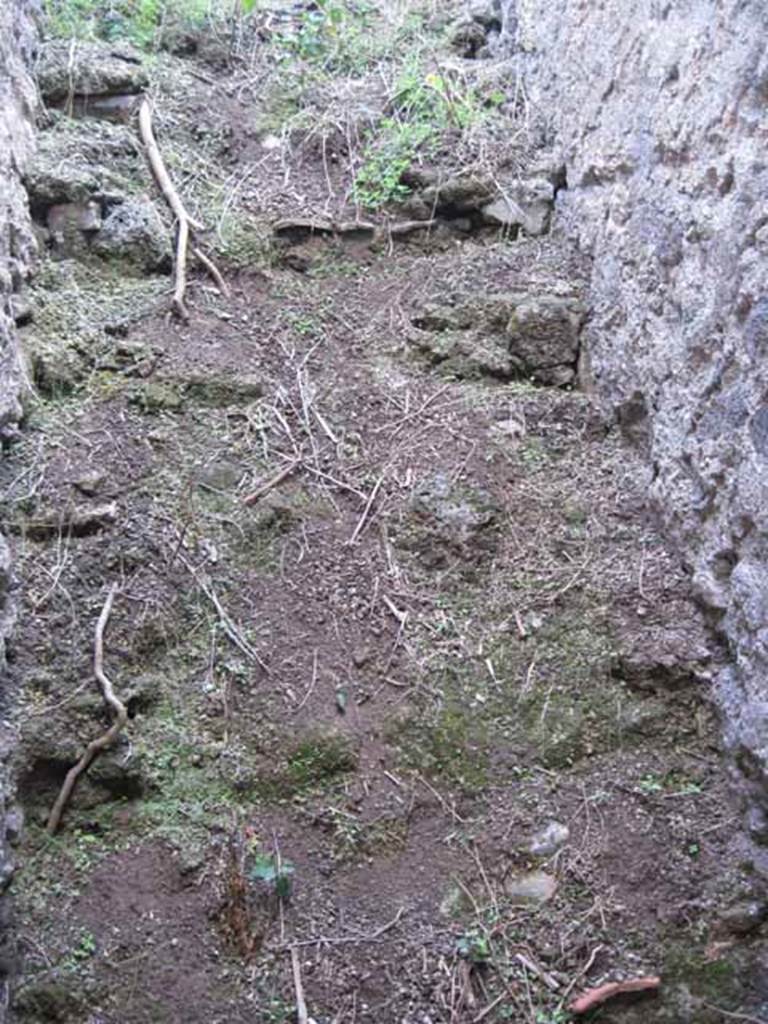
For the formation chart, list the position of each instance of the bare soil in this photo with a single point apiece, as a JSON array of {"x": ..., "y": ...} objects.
[{"x": 357, "y": 701}]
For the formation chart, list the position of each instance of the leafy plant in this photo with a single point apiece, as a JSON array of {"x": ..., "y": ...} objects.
[
  {"x": 425, "y": 106},
  {"x": 650, "y": 784},
  {"x": 135, "y": 20},
  {"x": 555, "y": 1017},
  {"x": 328, "y": 34},
  {"x": 474, "y": 946},
  {"x": 276, "y": 873},
  {"x": 84, "y": 950}
]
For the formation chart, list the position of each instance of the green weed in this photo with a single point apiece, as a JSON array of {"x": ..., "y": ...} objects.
[
  {"x": 138, "y": 21},
  {"x": 426, "y": 106},
  {"x": 331, "y": 34}
]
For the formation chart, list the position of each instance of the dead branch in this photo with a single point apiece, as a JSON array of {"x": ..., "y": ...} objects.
[
  {"x": 407, "y": 227},
  {"x": 594, "y": 997},
  {"x": 368, "y": 505},
  {"x": 213, "y": 270},
  {"x": 530, "y": 965},
  {"x": 185, "y": 223},
  {"x": 73, "y": 522},
  {"x": 343, "y": 940},
  {"x": 269, "y": 485},
  {"x": 107, "y": 738},
  {"x": 225, "y": 620},
  {"x": 730, "y": 1015},
  {"x": 180, "y": 270},
  {"x": 301, "y": 1005}
]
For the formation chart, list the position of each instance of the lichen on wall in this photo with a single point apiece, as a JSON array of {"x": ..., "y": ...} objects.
[{"x": 660, "y": 114}]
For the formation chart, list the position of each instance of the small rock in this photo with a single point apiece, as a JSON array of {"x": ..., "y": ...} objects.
[
  {"x": 14, "y": 824},
  {"x": 419, "y": 177},
  {"x": 50, "y": 1000},
  {"x": 222, "y": 389},
  {"x": 543, "y": 334},
  {"x": 451, "y": 520},
  {"x": 549, "y": 839},
  {"x": 504, "y": 334},
  {"x": 744, "y": 917},
  {"x": 49, "y": 182},
  {"x": 90, "y": 482},
  {"x": 117, "y": 108},
  {"x": 511, "y": 427},
  {"x": 221, "y": 475},
  {"x": 78, "y": 521},
  {"x": 460, "y": 194},
  {"x": 134, "y": 231},
  {"x": 297, "y": 229},
  {"x": 467, "y": 38},
  {"x": 22, "y": 310},
  {"x": 65, "y": 71},
  {"x": 454, "y": 903},
  {"x": 191, "y": 859},
  {"x": 70, "y": 225},
  {"x": 532, "y": 889},
  {"x": 527, "y": 205},
  {"x": 360, "y": 657},
  {"x": 159, "y": 396}
]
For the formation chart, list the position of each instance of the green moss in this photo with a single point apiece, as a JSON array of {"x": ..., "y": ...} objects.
[
  {"x": 317, "y": 760},
  {"x": 716, "y": 981},
  {"x": 354, "y": 839},
  {"x": 451, "y": 743},
  {"x": 244, "y": 243},
  {"x": 154, "y": 396},
  {"x": 320, "y": 757}
]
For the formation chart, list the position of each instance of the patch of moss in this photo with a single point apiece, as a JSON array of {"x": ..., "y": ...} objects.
[
  {"x": 244, "y": 243},
  {"x": 451, "y": 743},
  {"x": 716, "y": 981},
  {"x": 55, "y": 1001},
  {"x": 317, "y": 760},
  {"x": 354, "y": 839},
  {"x": 154, "y": 396},
  {"x": 568, "y": 706}
]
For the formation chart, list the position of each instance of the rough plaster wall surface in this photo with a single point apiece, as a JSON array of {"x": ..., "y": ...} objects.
[
  {"x": 17, "y": 102},
  {"x": 659, "y": 111}
]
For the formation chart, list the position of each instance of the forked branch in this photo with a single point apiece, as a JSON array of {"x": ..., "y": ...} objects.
[{"x": 185, "y": 224}]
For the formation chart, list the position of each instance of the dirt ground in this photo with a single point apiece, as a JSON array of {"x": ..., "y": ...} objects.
[{"x": 425, "y": 725}]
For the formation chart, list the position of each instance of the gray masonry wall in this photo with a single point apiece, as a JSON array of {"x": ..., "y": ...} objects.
[
  {"x": 17, "y": 103},
  {"x": 659, "y": 111}
]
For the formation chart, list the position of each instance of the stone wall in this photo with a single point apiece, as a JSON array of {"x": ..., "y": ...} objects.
[
  {"x": 659, "y": 112},
  {"x": 18, "y": 35}
]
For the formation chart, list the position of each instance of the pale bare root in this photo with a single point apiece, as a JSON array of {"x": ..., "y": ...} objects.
[
  {"x": 107, "y": 738},
  {"x": 185, "y": 223}
]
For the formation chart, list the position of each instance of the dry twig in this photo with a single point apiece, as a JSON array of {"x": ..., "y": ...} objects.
[
  {"x": 366, "y": 511},
  {"x": 301, "y": 1006},
  {"x": 341, "y": 940},
  {"x": 269, "y": 485},
  {"x": 107, "y": 738}
]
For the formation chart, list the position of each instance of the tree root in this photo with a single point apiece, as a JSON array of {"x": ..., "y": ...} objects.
[
  {"x": 107, "y": 738},
  {"x": 185, "y": 224}
]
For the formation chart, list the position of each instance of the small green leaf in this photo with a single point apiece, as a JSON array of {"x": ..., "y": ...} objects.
[
  {"x": 341, "y": 700},
  {"x": 283, "y": 886},
  {"x": 264, "y": 869}
]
